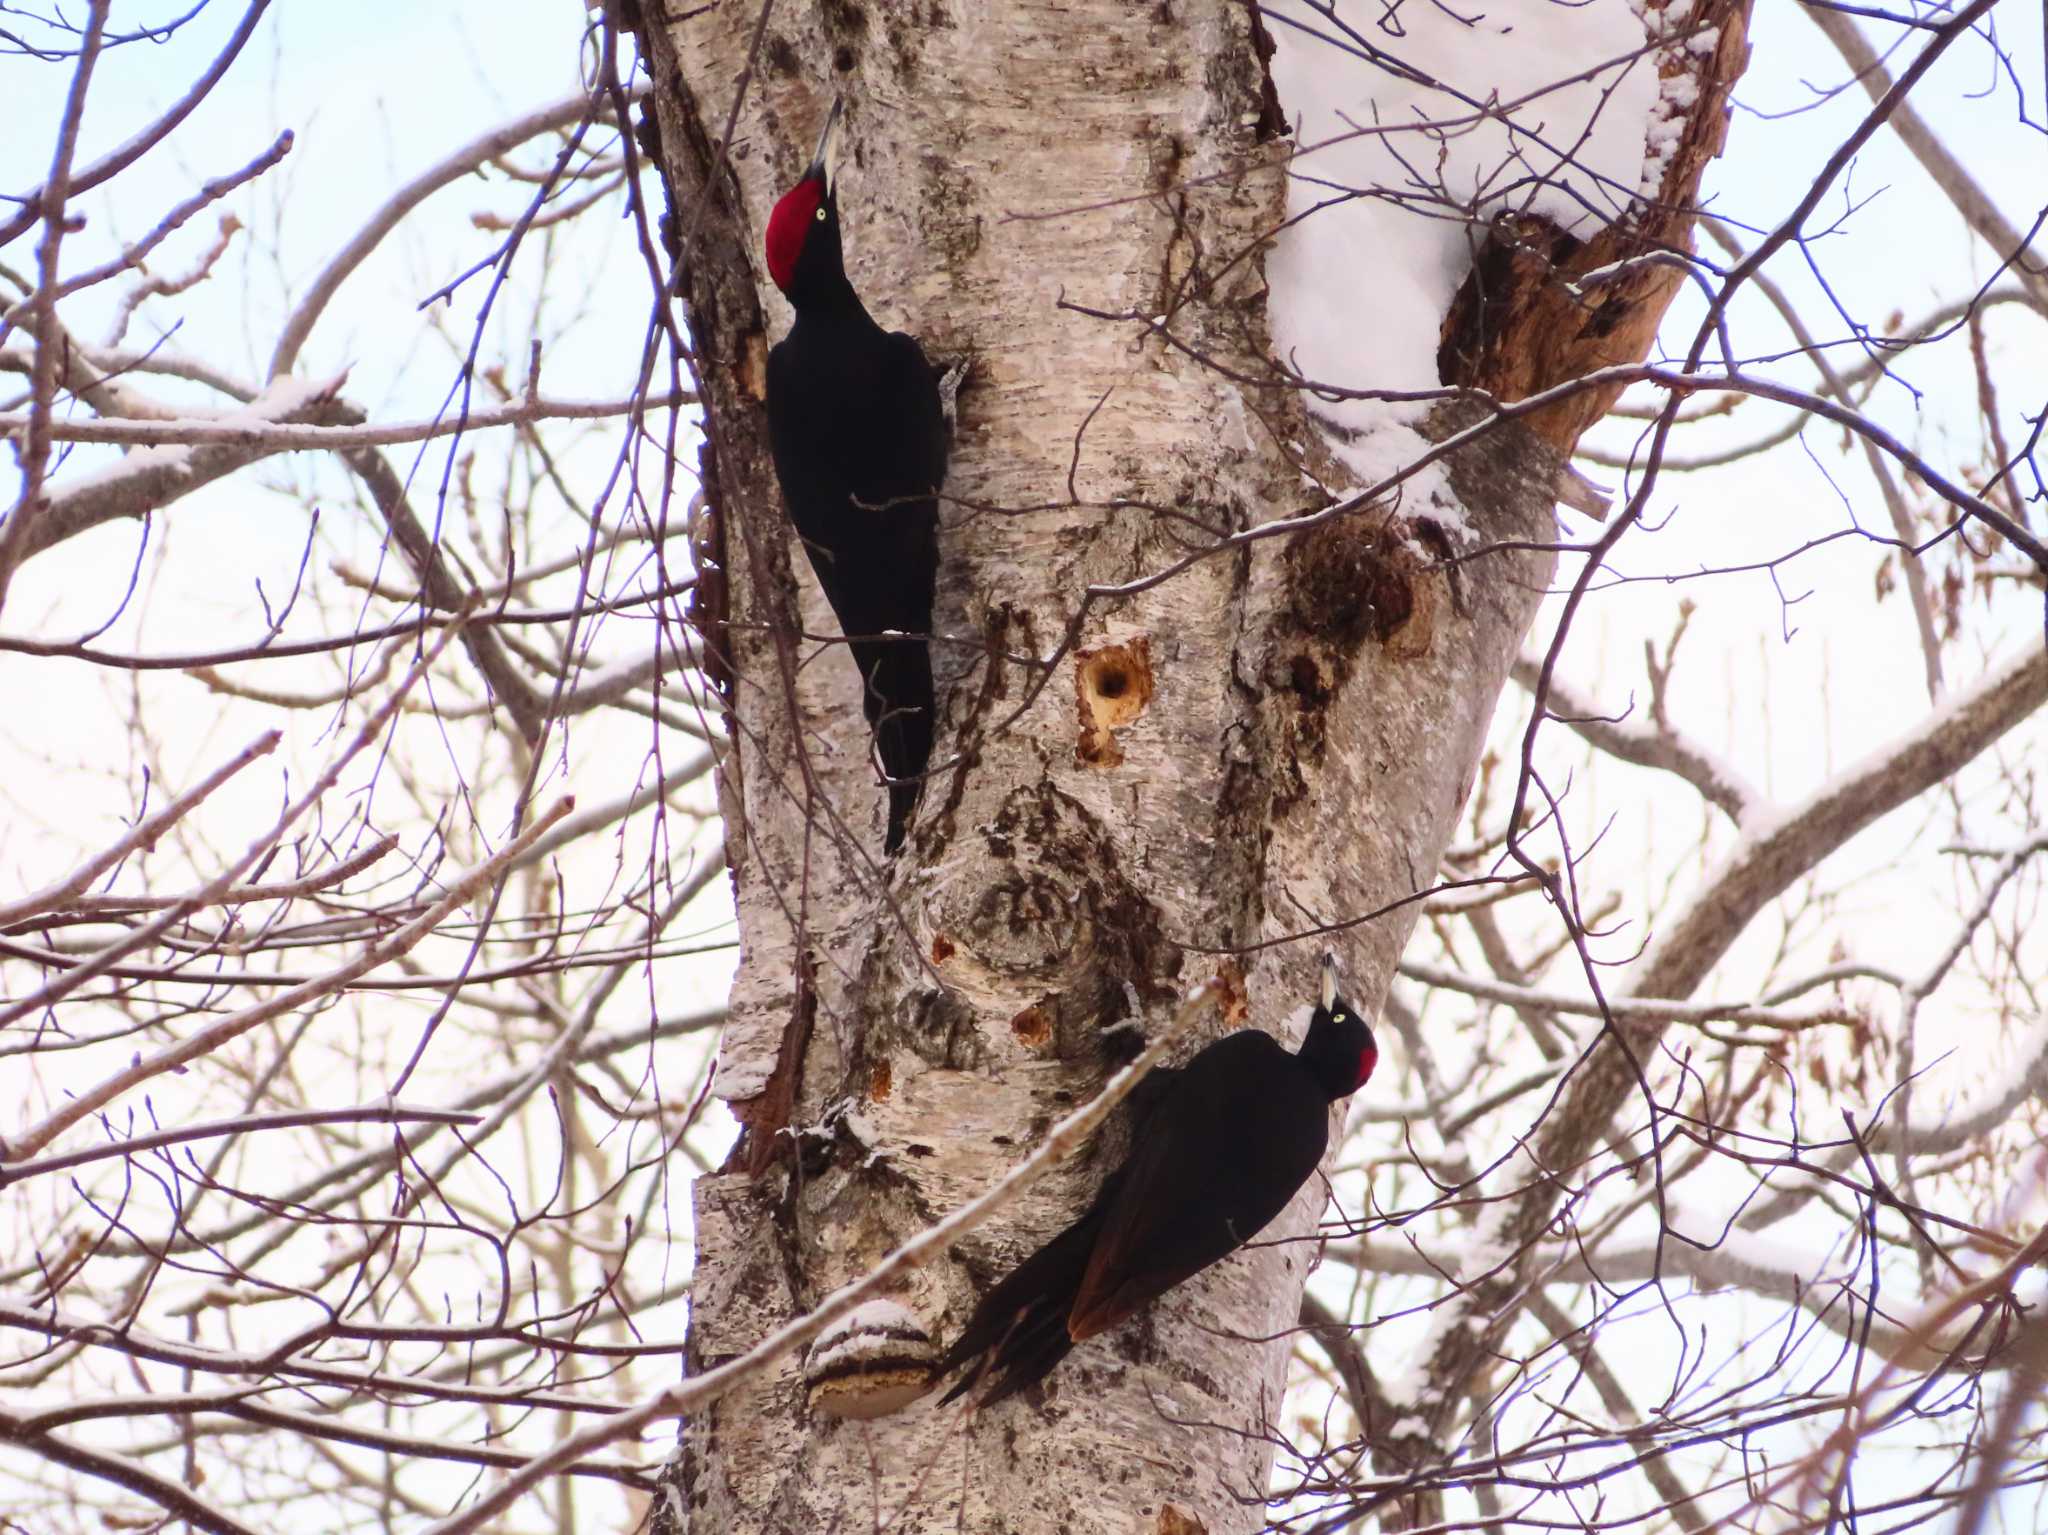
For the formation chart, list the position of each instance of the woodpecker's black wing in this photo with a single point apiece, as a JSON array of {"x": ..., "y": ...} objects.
[
  {"x": 910, "y": 377},
  {"x": 859, "y": 440},
  {"x": 1221, "y": 1154},
  {"x": 899, "y": 699},
  {"x": 1153, "y": 1089},
  {"x": 1021, "y": 1324}
]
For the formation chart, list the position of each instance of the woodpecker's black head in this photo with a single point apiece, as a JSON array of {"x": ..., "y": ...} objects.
[
  {"x": 804, "y": 256},
  {"x": 1339, "y": 1048}
]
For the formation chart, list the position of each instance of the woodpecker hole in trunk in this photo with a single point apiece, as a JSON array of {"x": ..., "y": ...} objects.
[
  {"x": 1235, "y": 1002},
  {"x": 1112, "y": 687},
  {"x": 1033, "y": 1027}
]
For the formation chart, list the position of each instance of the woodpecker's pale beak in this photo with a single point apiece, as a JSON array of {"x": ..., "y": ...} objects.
[
  {"x": 1329, "y": 979},
  {"x": 825, "y": 163}
]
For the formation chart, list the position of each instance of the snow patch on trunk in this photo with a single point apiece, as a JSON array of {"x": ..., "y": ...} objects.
[{"x": 1441, "y": 124}]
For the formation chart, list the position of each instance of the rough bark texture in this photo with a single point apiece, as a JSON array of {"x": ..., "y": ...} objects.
[{"x": 1273, "y": 735}]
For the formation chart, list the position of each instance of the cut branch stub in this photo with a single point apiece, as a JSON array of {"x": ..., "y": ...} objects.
[
  {"x": 764, "y": 1116},
  {"x": 1520, "y": 323}
]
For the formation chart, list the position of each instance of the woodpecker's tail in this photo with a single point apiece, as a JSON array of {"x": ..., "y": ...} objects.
[
  {"x": 1019, "y": 1331},
  {"x": 898, "y": 703},
  {"x": 1036, "y": 1341},
  {"x": 902, "y": 800}
]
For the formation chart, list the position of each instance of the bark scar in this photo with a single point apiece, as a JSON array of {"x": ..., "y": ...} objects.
[{"x": 766, "y": 1115}]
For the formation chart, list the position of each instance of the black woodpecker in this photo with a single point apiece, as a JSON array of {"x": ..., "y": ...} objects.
[
  {"x": 859, "y": 438},
  {"x": 1218, "y": 1148}
]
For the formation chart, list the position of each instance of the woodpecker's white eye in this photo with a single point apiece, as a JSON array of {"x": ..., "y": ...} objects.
[
  {"x": 820, "y": 215},
  {"x": 1337, "y": 1017}
]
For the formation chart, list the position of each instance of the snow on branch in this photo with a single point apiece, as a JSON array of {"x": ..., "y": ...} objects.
[
  {"x": 265, "y": 428},
  {"x": 1627, "y": 1010},
  {"x": 1772, "y": 852},
  {"x": 1764, "y": 862},
  {"x": 153, "y": 477}
]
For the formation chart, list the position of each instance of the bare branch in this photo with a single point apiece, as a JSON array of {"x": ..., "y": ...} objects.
[
  {"x": 1650, "y": 744},
  {"x": 383, "y": 1114},
  {"x": 1956, "y": 183},
  {"x": 49, "y": 207},
  {"x": 463, "y": 162},
  {"x": 126, "y": 154},
  {"x": 145, "y": 832},
  {"x": 176, "y": 1499}
]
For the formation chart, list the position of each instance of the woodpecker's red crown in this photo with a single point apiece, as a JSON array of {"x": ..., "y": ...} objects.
[
  {"x": 803, "y": 206},
  {"x": 790, "y": 223}
]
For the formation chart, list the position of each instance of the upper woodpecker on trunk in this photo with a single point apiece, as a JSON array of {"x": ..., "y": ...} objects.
[
  {"x": 1218, "y": 1149},
  {"x": 859, "y": 438}
]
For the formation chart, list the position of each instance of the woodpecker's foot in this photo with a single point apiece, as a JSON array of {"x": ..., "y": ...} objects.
[{"x": 950, "y": 380}]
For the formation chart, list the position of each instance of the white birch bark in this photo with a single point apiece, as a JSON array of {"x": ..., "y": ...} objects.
[{"x": 1283, "y": 730}]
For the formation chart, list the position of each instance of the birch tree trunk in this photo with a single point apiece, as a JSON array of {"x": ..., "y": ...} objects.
[{"x": 1138, "y": 781}]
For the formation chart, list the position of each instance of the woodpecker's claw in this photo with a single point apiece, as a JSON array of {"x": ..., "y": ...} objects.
[{"x": 949, "y": 390}]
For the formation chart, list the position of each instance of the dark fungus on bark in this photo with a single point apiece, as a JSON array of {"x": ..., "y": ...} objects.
[
  {"x": 1354, "y": 580},
  {"x": 1055, "y": 911}
]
